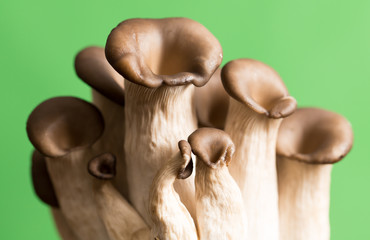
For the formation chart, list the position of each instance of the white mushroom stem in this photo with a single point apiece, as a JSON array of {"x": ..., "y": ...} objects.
[
  {"x": 219, "y": 204},
  {"x": 171, "y": 220},
  {"x": 64, "y": 230},
  {"x": 304, "y": 198},
  {"x": 73, "y": 187},
  {"x": 254, "y": 167},
  {"x": 155, "y": 120},
  {"x": 120, "y": 218},
  {"x": 112, "y": 139}
]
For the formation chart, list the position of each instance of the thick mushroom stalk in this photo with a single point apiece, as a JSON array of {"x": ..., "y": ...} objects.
[
  {"x": 259, "y": 99},
  {"x": 63, "y": 130},
  {"x": 212, "y": 102},
  {"x": 219, "y": 203},
  {"x": 45, "y": 191},
  {"x": 161, "y": 60},
  {"x": 108, "y": 95},
  {"x": 171, "y": 220},
  {"x": 121, "y": 220},
  {"x": 309, "y": 142}
]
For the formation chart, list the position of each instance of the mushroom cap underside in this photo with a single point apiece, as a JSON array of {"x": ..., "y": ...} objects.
[
  {"x": 315, "y": 136},
  {"x": 212, "y": 146},
  {"x": 61, "y": 124},
  {"x": 169, "y": 51},
  {"x": 258, "y": 86}
]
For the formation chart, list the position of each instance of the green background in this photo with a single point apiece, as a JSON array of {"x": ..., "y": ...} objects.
[{"x": 320, "y": 48}]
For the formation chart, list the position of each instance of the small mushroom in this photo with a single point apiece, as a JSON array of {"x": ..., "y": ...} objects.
[
  {"x": 212, "y": 102},
  {"x": 309, "y": 142},
  {"x": 108, "y": 95},
  {"x": 171, "y": 220},
  {"x": 219, "y": 203},
  {"x": 63, "y": 130},
  {"x": 259, "y": 100},
  {"x": 161, "y": 61},
  {"x": 121, "y": 220}
]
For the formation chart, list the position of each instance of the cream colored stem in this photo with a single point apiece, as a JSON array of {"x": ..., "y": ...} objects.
[
  {"x": 254, "y": 168},
  {"x": 112, "y": 139},
  {"x": 304, "y": 196},
  {"x": 155, "y": 120},
  {"x": 73, "y": 187},
  {"x": 64, "y": 230},
  {"x": 171, "y": 220},
  {"x": 219, "y": 204},
  {"x": 120, "y": 218}
]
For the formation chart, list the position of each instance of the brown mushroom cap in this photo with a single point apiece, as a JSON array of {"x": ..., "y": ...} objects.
[
  {"x": 93, "y": 68},
  {"x": 103, "y": 166},
  {"x": 62, "y": 124},
  {"x": 212, "y": 146},
  {"x": 258, "y": 86},
  {"x": 41, "y": 181},
  {"x": 187, "y": 168},
  {"x": 170, "y": 51},
  {"x": 314, "y": 136}
]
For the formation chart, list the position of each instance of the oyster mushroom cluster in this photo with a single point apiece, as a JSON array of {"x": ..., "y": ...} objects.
[{"x": 174, "y": 147}]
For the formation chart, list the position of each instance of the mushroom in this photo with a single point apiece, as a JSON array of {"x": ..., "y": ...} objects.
[
  {"x": 309, "y": 142},
  {"x": 212, "y": 102},
  {"x": 219, "y": 203},
  {"x": 161, "y": 61},
  {"x": 171, "y": 220},
  {"x": 63, "y": 130},
  {"x": 259, "y": 100},
  {"x": 108, "y": 95},
  {"x": 121, "y": 220},
  {"x": 44, "y": 189}
]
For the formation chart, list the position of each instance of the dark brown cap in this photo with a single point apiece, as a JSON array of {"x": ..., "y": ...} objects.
[
  {"x": 103, "y": 166},
  {"x": 170, "y": 51},
  {"x": 93, "y": 68},
  {"x": 187, "y": 168},
  {"x": 212, "y": 102},
  {"x": 258, "y": 86},
  {"x": 60, "y": 125},
  {"x": 41, "y": 181},
  {"x": 314, "y": 136},
  {"x": 212, "y": 146}
]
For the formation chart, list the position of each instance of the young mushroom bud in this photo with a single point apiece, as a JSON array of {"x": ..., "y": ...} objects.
[
  {"x": 108, "y": 95},
  {"x": 259, "y": 100},
  {"x": 170, "y": 218},
  {"x": 309, "y": 142},
  {"x": 63, "y": 129},
  {"x": 121, "y": 220},
  {"x": 161, "y": 61},
  {"x": 219, "y": 203}
]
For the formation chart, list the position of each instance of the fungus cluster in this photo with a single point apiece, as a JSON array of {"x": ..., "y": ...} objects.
[{"x": 174, "y": 147}]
